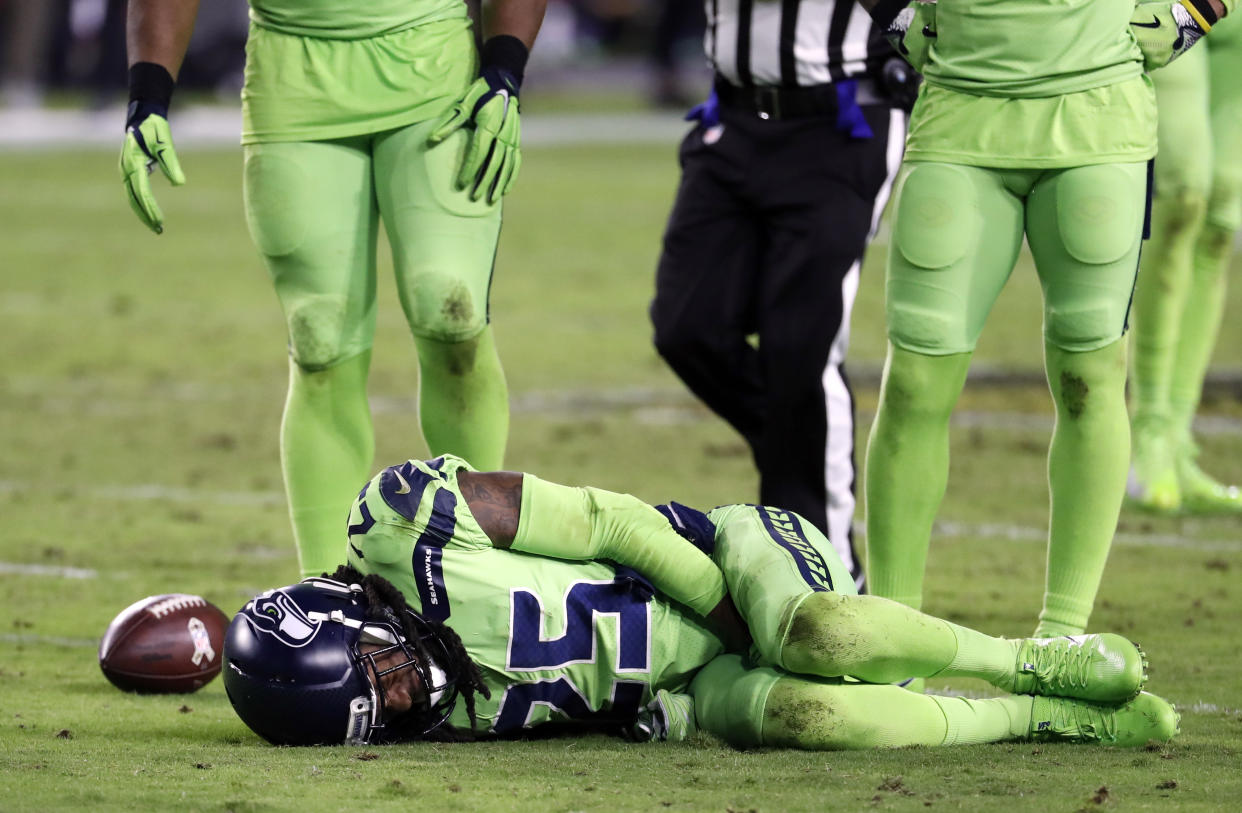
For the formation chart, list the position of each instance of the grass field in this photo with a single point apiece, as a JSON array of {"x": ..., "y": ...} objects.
[{"x": 140, "y": 394}]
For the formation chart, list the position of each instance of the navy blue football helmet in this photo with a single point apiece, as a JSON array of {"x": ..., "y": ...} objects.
[{"x": 296, "y": 671}]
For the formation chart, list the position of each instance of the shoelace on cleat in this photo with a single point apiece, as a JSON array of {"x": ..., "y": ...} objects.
[
  {"x": 1067, "y": 665},
  {"x": 1079, "y": 720}
]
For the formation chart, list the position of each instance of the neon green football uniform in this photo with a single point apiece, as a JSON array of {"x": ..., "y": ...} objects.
[
  {"x": 561, "y": 637},
  {"x": 339, "y": 102},
  {"x": 561, "y": 633},
  {"x": 1036, "y": 123},
  {"x": 555, "y": 639}
]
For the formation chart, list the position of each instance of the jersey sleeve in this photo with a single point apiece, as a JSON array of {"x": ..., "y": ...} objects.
[{"x": 590, "y": 523}]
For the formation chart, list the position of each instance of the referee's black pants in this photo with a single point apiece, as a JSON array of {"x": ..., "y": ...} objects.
[{"x": 766, "y": 238}]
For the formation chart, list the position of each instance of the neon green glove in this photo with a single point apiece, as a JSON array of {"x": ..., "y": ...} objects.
[
  {"x": 148, "y": 141},
  {"x": 1166, "y": 29},
  {"x": 490, "y": 109},
  {"x": 493, "y": 157},
  {"x": 913, "y": 31}
]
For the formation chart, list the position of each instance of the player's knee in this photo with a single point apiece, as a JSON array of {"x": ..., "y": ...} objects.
[
  {"x": 317, "y": 327},
  {"x": 1215, "y": 245},
  {"x": 443, "y": 307},
  {"x": 1184, "y": 205},
  {"x": 913, "y": 391},
  {"x": 820, "y": 636},
  {"x": 1090, "y": 383},
  {"x": 1224, "y": 211},
  {"x": 1082, "y": 327}
]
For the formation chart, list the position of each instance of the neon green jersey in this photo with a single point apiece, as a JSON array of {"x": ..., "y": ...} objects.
[
  {"x": 348, "y": 19},
  {"x": 1028, "y": 48},
  {"x": 1033, "y": 84},
  {"x": 555, "y": 640}
]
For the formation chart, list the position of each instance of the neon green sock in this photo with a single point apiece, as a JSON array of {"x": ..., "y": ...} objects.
[
  {"x": 463, "y": 400},
  {"x": 326, "y": 446},
  {"x": 805, "y": 714},
  {"x": 1200, "y": 324},
  {"x": 995, "y": 719},
  {"x": 908, "y": 467},
  {"x": 1087, "y": 464},
  {"x": 1159, "y": 303}
]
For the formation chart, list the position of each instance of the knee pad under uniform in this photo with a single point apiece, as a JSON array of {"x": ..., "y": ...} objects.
[{"x": 954, "y": 243}]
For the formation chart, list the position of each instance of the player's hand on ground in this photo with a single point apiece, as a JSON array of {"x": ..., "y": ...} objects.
[
  {"x": 148, "y": 144},
  {"x": 728, "y": 623},
  {"x": 489, "y": 111}
]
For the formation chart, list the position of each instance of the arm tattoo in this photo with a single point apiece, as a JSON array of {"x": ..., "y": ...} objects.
[{"x": 495, "y": 500}]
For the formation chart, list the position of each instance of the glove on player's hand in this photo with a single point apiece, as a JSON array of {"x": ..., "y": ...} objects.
[
  {"x": 148, "y": 143},
  {"x": 1166, "y": 29},
  {"x": 913, "y": 31},
  {"x": 669, "y": 717},
  {"x": 490, "y": 109}
]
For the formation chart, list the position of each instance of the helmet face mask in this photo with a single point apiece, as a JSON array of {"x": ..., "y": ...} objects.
[{"x": 306, "y": 664}]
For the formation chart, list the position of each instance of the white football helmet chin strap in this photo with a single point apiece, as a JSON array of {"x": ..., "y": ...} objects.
[
  {"x": 438, "y": 679},
  {"x": 361, "y": 717}
]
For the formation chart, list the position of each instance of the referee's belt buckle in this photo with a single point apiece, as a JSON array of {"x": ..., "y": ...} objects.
[{"x": 767, "y": 101}]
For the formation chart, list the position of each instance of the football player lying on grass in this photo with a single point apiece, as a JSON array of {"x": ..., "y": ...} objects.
[{"x": 487, "y": 603}]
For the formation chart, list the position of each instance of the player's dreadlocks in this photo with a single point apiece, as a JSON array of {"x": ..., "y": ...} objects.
[{"x": 385, "y": 602}]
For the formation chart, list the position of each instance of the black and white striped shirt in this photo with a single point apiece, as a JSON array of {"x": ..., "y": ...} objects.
[{"x": 792, "y": 43}]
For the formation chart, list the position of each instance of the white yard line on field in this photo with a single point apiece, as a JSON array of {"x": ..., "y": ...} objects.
[
  {"x": 22, "y": 569},
  {"x": 220, "y": 126},
  {"x": 55, "y": 640}
]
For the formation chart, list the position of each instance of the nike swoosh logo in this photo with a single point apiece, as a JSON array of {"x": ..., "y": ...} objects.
[
  {"x": 405, "y": 487},
  {"x": 928, "y": 33},
  {"x": 1155, "y": 23}
]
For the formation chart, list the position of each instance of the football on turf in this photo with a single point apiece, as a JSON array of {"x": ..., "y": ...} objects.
[{"x": 169, "y": 643}]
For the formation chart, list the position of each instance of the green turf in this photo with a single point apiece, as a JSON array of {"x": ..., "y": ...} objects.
[{"x": 139, "y": 399}]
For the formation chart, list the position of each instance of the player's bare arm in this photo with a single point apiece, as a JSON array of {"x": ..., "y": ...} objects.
[
  {"x": 495, "y": 500},
  {"x": 159, "y": 31},
  {"x": 516, "y": 18}
]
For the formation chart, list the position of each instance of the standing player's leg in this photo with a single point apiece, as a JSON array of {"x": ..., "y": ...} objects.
[
  {"x": 312, "y": 214},
  {"x": 1205, "y": 297},
  {"x": 444, "y": 248},
  {"x": 703, "y": 308},
  {"x": 1182, "y": 180},
  {"x": 819, "y": 201},
  {"x": 956, "y": 237},
  {"x": 760, "y": 706},
  {"x": 1084, "y": 227}
]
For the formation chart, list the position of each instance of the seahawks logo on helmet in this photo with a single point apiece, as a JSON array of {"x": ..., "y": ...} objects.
[{"x": 276, "y": 614}]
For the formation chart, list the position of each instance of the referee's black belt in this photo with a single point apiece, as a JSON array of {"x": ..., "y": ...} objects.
[{"x": 773, "y": 102}]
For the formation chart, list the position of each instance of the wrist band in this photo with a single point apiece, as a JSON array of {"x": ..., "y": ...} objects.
[
  {"x": 1202, "y": 11},
  {"x": 151, "y": 83},
  {"x": 506, "y": 53}
]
